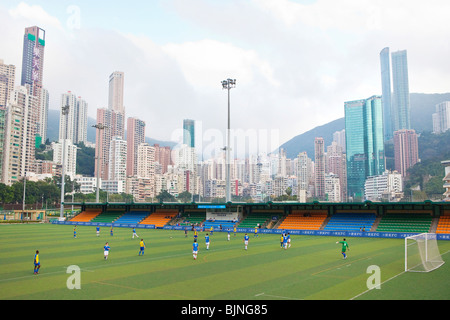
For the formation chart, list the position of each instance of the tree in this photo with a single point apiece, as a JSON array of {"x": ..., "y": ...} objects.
[
  {"x": 120, "y": 197},
  {"x": 185, "y": 197},
  {"x": 289, "y": 191},
  {"x": 6, "y": 194},
  {"x": 165, "y": 196},
  {"x": 434, "y": 186},
  {"x": 85, "y": 160},
  {"x": 287, "y": 196}
]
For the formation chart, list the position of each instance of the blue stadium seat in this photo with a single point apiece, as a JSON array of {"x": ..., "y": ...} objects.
[
  {"x": 132, "y": 217},
  {"x": 226, "y": 224},
  {"x": 348, "y": 221}
]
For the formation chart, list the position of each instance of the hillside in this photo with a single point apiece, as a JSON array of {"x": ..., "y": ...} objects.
[
  {"x": 305, "y": 141},
  {"x": 422, "y": 107},
  {"x": 428, "y": 173}
]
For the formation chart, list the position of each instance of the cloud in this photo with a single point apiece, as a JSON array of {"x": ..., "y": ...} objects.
[
  {"x": 206, "y": 62},
  {"x": 295, "y": 64},
  {"x": 34, "y": 13},
  {"x": 359, "y": 16}
]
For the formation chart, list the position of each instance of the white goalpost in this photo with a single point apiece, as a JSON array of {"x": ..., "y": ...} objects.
[{"x": 422, "y": 253}]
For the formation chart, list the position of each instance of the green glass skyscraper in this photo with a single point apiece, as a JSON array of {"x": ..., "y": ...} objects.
[
  {"x": 364, "y": 142},
  {"x": 396, "y": 103},
  {"x": 387, "y": 94},
  {"x": 189, "y": 133},
  {"x": 401, "y": 104}
]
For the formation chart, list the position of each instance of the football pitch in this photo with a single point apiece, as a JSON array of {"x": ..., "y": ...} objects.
[{"x": 312, "y": 269}]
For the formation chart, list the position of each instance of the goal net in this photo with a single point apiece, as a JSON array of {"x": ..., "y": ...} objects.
[{"x": 422, "y": 253}]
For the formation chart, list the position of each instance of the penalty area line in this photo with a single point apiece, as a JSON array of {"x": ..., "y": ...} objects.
[
  {"x": 274, "y": 296},
  {"x": 362, "y": 293}
]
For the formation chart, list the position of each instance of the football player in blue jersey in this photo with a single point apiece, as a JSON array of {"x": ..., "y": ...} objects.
[
  {"x": 195, "y": 249},
  {"x": 246, "y": 238}
]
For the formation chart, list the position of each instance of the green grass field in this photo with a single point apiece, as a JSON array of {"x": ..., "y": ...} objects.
[{"x": 312, "y": 268}]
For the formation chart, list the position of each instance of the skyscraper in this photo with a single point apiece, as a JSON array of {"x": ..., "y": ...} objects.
[
  {"x": 396, "y": 103},
  {"x": 33, "y": 71},
  {"x": 19, "y": 134},
  {"x": 114, "y": 128},
  {"x": 116, "y": 85},
  {"x": 386, "y": 93},
  {"x": 401, "y": 114},
  {"x": 115, "y": 102},
  {"x": 304, "y": 165},
  {"x": 73, "y": 126},
  {"x": 365, "y": 144},
  {"x": 319, "y": 170},
  {"x": 145, "y": 161},
  {"x": 135, "y": 136},
  {"x": 70, "y": 156},
  {"x": 406, "y": 150},
  {"x": 33, "y": 59},
  {"x": 117, "y": 159},
  {"x": 189, "y": 133},
  {"x": 7, "y": 80},
  {"x": 113, "y": 118},
  {"x": 339, "y": 138},
  {"x": 441, "y": 119},
  {"x": 44, "y": 104},
  {"x": 163, "y": 155},
  {"x": 336, "y": 165},
  {"x": 66, "y": 121},
  {"x": 2, "y": 138}
]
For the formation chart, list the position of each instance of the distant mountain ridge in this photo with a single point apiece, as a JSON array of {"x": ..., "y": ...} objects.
[
  {"x": 305, "y": 141},
  {"x": 422, "y": 107}
]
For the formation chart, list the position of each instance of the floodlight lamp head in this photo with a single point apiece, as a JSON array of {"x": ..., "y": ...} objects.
[
  {"x": 224, "y": 84},
  {"x": 65, "y": 109},
  {"x": 100, "y": 126}
]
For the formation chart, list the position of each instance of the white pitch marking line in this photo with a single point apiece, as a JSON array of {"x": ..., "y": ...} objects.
[
  {"x": 357, "y": 296},
  {"x": 270, "y": 295}
]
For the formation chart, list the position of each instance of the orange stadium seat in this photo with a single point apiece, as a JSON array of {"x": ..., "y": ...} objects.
[
  {"x": 444, "y": 223},
  {"x": 87, "y": 215},
  {"x": 304, "y": 220},
  {"x": 160, "y": 217}
]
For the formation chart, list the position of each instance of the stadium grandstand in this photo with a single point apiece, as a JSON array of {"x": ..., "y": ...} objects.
[{"x": 368, "y": 216}]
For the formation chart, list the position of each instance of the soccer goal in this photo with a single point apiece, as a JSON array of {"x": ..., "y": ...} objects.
[{"x": 422, "y": 253}]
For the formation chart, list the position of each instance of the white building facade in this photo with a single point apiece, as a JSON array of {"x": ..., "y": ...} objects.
[
  {"x": 388, "y": 186},
  {"x": 70, "y": 156}
]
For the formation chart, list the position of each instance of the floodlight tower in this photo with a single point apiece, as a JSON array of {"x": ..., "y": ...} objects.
[
  {"x": 228, "y": 85},
  {"x": 99, "y": 127},
  {"x": 64, "y": 112}
]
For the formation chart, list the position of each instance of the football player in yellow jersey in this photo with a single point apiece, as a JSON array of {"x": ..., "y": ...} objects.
[
  {"x": 142, "y": 247},
  {"x": 37, "y": 263}
]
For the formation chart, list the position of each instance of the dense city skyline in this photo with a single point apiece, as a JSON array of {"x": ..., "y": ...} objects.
[
  {"x": 186, "y": 49},
  {"x": 200, "y": 162}
]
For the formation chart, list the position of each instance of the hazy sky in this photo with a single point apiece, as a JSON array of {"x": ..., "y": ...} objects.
[{"x": 296, "y": 62}]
